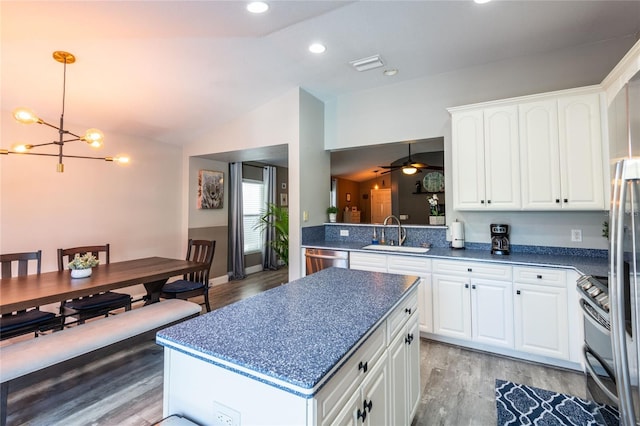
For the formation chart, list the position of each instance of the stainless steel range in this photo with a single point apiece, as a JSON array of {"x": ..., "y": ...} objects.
[{"x": 597, "y": 350}]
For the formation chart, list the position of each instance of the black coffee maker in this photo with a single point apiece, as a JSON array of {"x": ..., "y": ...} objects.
[{"x": 499, "y": 239}]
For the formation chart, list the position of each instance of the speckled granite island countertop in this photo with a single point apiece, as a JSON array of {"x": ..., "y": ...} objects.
[{"x": 295, "y": 335}]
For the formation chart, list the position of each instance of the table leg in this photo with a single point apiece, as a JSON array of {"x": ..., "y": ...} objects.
[{"x": 154, "y": 289}]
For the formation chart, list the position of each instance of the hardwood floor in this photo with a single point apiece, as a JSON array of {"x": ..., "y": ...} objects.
[{"x": 126, "y": 388}]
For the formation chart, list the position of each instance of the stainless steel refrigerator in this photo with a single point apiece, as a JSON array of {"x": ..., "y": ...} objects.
[{"x": 624, "y": 252}]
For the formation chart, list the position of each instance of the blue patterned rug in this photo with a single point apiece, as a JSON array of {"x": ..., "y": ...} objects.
[{"x": 526, "y": 405}]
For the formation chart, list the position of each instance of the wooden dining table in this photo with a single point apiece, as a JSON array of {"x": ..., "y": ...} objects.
[{"x": 24, "y": 292}]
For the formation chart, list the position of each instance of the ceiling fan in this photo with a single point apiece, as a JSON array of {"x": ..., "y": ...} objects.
[{"x": 410, "y": 167}]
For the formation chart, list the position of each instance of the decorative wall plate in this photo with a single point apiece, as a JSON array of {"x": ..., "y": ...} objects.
[{"x": 433, "y": 182}]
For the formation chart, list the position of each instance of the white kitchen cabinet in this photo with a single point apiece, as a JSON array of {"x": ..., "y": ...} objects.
[
  {"x": 561, "y": 153},
  {"x": 474, "y": 304},
  {"x": 541, "y": 312},
  {"x": 539, "y": 152},
  {"x": 404, "y": 357},
  {"x": 486, "y": 159},
  {"x": 420, "y": 266},
  {"x": 369, "y": 405}
]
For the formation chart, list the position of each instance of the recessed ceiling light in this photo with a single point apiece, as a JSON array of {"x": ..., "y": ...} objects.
[
  {"x": 390, "y": 72},
  {"x": 482, "y": 1},
  {"x": 317, "y": 48},
  {"x": 257, "y": 7}
]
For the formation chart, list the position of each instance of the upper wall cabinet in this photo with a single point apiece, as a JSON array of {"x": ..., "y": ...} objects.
[
  {"x": 541, "y": 152},
  {"x": 485, "y": 159},
  {"x": 561, "y": 154}
]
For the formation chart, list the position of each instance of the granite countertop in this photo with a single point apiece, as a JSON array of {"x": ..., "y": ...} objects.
[
  {"x": 292, "y": 336},
  {"x": 584, "y": 265}
]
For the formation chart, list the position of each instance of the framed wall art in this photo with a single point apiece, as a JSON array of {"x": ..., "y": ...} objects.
[{"x": 210, "y": 189}]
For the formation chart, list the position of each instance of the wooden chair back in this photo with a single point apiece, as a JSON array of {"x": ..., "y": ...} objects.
[
  {"x": 200, "y": 251},
  {"x": 66, "y": 255},
  {"x": 21, "y": 260}
]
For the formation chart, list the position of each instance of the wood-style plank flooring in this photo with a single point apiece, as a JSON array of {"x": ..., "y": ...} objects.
[{"x": 126, "y": 387}]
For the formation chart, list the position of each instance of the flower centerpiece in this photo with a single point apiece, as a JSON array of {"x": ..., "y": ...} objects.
[
  {"x": 81, "y": 265},
  {"x": 435, "y": 217}
]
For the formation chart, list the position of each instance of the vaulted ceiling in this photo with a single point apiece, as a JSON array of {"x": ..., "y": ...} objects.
[{"x": 170, "y": 70}]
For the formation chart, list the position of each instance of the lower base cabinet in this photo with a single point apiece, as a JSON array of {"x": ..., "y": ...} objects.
[
  {"x": 369, "y": 405},
  {"x": 404, "y": 361}
]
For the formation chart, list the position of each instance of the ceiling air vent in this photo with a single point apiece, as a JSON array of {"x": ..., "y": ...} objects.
[{"x": 367, "y": 63}]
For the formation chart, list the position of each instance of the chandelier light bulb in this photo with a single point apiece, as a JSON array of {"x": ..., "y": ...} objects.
[
  {"x": 25, "y": 115},
  {"x": 120, "y": 159},
  {"x": 21, "y": 147},
  {"x": 94, "y": 138}
]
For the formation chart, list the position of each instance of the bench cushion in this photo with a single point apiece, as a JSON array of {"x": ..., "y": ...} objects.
[{"x": 21, "y": 358}]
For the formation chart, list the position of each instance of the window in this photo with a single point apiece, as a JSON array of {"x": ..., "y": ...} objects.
[{"x": 252, "y": 206}]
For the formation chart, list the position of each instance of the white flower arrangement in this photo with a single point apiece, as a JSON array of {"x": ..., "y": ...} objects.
[
  {"x": 85, "y": 261},
  {"x": 433, "y": 202}
]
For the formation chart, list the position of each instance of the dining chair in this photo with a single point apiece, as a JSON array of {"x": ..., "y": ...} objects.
[
  {"x": 28, "y": 320},
  {"x": 100, "y": 304},
  {"x": 195, "y": 283}
]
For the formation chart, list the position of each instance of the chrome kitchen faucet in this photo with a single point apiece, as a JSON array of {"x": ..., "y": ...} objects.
[{"x": 402, "y": 233}]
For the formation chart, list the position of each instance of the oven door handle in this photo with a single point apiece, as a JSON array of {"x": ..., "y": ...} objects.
[
  {"x": 587, "y": 350},
  {"x": 591, "y": 319}
]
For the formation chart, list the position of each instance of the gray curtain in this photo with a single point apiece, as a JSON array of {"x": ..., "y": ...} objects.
[
  {"x": 236, "y": 226},
  {"x": 269, "y": 257}
]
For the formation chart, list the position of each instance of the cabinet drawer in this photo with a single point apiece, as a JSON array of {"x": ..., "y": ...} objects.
[
  {"x": 408, "y": 265},
  {"x": 476, "y": 269},
  {"x": 401, "y": 314},
  {"x": 374, "y": 262},
  {"x": 347, "y": 379},
  {"x": 545, "y": 276}
]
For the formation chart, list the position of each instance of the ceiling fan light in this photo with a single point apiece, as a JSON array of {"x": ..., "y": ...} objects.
[
  {"x": 409, "y": 170},
  {"x": 25, "y": 115},
  {"x": 94, "y": 138}
]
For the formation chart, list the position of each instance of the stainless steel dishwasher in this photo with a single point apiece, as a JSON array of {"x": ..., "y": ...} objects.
[{"x": 318, "y": 259}]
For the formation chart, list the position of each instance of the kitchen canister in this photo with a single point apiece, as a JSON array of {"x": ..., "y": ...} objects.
[{"x": 457, "y": 235}]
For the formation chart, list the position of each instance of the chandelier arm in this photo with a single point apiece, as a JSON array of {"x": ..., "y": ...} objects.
[{"x": 63, "y": 156}]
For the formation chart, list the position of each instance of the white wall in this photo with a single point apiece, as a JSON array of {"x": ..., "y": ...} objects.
[
  {"x": 274, "y": 123},
  {"x": 135, "y": 208},
  {"x": 417, "y": 109}
]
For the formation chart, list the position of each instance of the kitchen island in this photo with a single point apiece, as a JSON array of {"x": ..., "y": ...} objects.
[{"x": 329, "y": 347}]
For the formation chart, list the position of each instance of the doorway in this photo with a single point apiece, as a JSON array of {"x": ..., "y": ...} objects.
[{"x": 380, "y": 204}]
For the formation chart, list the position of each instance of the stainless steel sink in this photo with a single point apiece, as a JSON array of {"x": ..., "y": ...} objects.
[{"x": 404, "y": 249}]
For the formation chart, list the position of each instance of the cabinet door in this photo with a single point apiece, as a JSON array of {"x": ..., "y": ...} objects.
[
  {"x": 425, "y": 304},
  {"x": 399, "y": 389},
  {"x": 541, "y": 320},
  {"x": 413, "y": 370},
  {"x": 502, "y": 158},
  {"x": 375, "y": 396},
  {"x": 581, "y": 155},
  {"x": 539, "y": 154},
  {"x": 468, "y": 160},
  {"x": 451, "y": 306},
  {"x": 348, "y": 416},
  {"x": 492, "y": 312}
]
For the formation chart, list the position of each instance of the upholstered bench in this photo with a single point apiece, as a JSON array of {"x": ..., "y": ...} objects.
[{"x": 75, "y": 346}]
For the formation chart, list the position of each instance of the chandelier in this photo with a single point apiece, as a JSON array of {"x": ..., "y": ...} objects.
[{"x": 93, "y": 137}]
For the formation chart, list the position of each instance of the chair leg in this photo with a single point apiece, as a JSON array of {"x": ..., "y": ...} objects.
[{"x": 206, "y": 300}]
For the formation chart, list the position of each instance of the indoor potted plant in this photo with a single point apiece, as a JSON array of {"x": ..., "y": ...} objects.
[
  {"x": 435, "y": 216},
  {"x": 81, "y": 265},
  {"x": 278, "y": 217},
  {"x": 333, "y": 212}
]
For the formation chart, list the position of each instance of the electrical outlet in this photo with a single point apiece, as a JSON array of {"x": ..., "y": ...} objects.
[
  {"x": 344, "y": 232},
  {"x": 225, "y": 416},
  {"x": 576, "y": 235}
]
